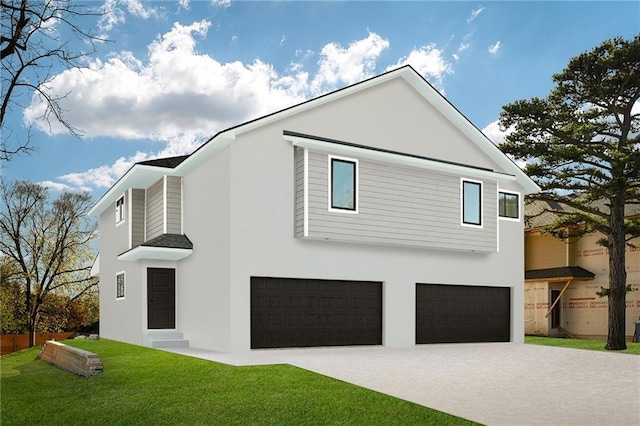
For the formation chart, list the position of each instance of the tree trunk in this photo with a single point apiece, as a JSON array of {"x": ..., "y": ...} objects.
[
  {"x": 617, "y": 281},
  {"x": 32, "y": 335}
]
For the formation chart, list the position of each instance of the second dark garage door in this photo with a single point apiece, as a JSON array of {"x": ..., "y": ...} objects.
[
  {"x": 289, "y": 312},
  {"x": 461, "y": 314}
]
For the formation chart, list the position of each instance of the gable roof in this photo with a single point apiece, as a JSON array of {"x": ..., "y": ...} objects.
[{"x": 141, "y": 175}]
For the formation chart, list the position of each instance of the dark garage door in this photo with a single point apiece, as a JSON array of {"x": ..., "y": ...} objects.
[
  {"x": 300, "y": 313},
  {"x": 461, "y": 314}
]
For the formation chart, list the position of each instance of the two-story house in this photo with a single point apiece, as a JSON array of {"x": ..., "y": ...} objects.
[
  {"x": 563, "y": 276},
  {"x": 373, "y": 215}
]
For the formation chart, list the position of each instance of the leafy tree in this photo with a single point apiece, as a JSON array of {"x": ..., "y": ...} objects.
[
  {"x": 49, "y": 245},
  {"x": 32, "y": 49},
  {"x": 583, "y": 149},
  {"x": 12, "y": 308}
]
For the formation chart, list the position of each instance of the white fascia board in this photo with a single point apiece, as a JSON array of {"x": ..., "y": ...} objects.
[
  {"x": 403, "y": 160},
  {"x": 139, "y": 176},
  {"x": 157, "y": 253}
]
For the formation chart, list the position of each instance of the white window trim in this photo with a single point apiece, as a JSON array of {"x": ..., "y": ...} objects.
[
  {"x": 462, "y": 222},
  {"x": 164, "y": 204},
  {"x": 124, "y": 275},
  {"x": 511, "y": 219},
  {"x": 121, "y": 220},
  {"x": 305, "y": 200},
  {"x": 330, "y": 189}
]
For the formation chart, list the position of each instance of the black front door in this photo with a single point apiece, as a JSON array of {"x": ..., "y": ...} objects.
[{"x": 161, "y": 298}]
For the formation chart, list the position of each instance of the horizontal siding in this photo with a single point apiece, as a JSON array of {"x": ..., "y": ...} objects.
[
  {"x": 155, "y": 209},
  {"x": 544, "y": 251},
  {"x": 299, "y": 201},
  {"x": 137, "y": 217},
  {"x": 174, "y": 205},
  {"x": 400, "y": 206}
]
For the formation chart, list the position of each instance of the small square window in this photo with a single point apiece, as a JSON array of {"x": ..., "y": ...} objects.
[
  {"x": 120, "y": 285},
  {"x": 509, "y": 205},
  {"x": 120, "y": 209},
  {"x": 471, "y": 203},
  {"x": 343, "y": 184}
]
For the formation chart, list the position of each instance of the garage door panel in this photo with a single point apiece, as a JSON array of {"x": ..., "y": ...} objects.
[
  {"x": 462, "y": 314},
  {"x": 315, "y": 313}
]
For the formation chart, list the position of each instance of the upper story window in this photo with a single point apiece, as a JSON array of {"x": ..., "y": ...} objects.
[
  {"x": 509, "y": 205},
  {"x": 120, "y": 209},
  {"x": 120, "y": 285},
  {"x": 471, "y": 202},
  {"x": 343, "y": 184}
]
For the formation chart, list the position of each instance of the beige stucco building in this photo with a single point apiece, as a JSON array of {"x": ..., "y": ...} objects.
[{"x": 572, "y": 271}]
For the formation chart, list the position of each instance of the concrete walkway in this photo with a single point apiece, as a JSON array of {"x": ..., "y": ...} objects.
[{"x": 492, "y": 383}]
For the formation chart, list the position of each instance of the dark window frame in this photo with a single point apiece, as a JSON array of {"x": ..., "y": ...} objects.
[
  {"x": 502, "y": 206},
  {"x": 477, "y": 184},
  {"x": 120, "y": 209},
  {"x": 120, "y": 285},
  {"x": 354, "y": 184}
]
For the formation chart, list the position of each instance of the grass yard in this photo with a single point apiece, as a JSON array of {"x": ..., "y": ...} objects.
[
  {"x": 145, "y": 386},
  {"x": 592, "y": 345}
]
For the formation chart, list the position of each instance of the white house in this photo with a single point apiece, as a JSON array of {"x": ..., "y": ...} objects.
[{"x": 373, "y": 215}]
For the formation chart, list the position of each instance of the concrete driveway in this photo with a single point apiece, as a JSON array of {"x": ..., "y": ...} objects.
[{"x": 490, "y": 383}]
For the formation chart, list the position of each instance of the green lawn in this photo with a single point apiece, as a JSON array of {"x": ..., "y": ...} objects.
[
  {"x": 145, "y": 386},
  {"x": 592, "y": 345}
]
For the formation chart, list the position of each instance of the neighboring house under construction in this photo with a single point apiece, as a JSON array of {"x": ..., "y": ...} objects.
[{"x": 563, "y": 277}]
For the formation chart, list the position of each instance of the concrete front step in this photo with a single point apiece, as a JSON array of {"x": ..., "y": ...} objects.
[
  {"x": 165, "y": 339},
  {"x": 169, "y": 343}
]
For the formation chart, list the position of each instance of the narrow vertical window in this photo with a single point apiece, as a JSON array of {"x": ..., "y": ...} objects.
[
  {"x": 471, "y": 203},
  {"x": 343, "y": 184},
  {"x": 120, "y": 209},
  {"x": 509, "y": 205},
  {"x": 120, "y": 285}
]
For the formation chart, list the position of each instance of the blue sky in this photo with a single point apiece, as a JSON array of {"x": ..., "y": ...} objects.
[{"x": 177, "y": 72}]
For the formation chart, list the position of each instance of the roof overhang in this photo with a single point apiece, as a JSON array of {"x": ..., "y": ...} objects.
[
  {"x": 157, "y": 253},
  {"x": 559, "y": 274},
  {"x": 396, "y": 158}
]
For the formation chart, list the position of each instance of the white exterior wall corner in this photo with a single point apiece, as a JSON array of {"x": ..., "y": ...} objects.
[
  {"x": 119, "y": 318},
  {"x": 204, "y": 288}
]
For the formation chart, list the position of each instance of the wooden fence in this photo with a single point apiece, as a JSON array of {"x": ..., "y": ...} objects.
[{"x": 16, "y": 342}]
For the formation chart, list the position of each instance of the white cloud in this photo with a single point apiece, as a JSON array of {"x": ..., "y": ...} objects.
[
  {"x": 221, "y": 3},
  {"x": 283, "y": 39},
  {"x": 429, "y": 62},
  {"x": 234, "y": 39},
  {"x": 343, "y": 66},
  {"x": 474, "y": 14},
  {"x": 114, "y": 12},
  {"x": 464, "y": 45},
  {"x": 184, "y": 4},
  {"x": 175, "y": 89},
  {"x": 495, "y": 133},
  {"x": 493, "y": 49},
  {"x": 56, "y": 186}
]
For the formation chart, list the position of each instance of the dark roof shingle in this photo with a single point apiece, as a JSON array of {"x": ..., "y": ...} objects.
[
  {"x": 178, "y": 241},
  {"x": 168, "y": 162},
  {"x": 560, "y": 272}
]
